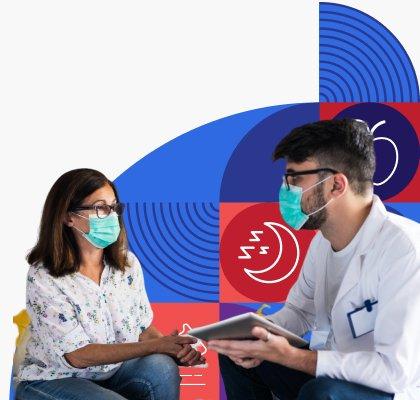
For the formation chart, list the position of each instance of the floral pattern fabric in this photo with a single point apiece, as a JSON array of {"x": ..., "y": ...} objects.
[{"x": 73, "y": 311}]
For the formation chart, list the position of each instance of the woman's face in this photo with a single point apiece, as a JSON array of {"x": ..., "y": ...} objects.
[{"x": 104, "y": 195}]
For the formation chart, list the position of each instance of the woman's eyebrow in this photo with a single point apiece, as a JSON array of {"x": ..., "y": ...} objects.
[
  {"x": 97, "y": 201},
  {"x": 104, "y": 201}
]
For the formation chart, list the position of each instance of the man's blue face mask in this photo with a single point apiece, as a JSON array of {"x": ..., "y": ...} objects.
[{"x": 291, "y": 204}]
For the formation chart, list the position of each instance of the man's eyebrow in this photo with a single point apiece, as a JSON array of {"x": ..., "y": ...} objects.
[{"x": 290, "y": 170}]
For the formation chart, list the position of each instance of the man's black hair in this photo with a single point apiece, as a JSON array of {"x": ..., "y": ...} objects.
[{"x": 344, "y": 145}]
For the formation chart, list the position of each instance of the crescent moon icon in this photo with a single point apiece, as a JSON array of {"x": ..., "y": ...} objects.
[{"x": 252, "y": 273}]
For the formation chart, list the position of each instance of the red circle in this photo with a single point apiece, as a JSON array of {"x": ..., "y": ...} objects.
[{"x": 250, "y": 243}]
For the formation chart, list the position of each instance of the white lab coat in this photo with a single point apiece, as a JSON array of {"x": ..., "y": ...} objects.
[{"x": 385, "y": 267}]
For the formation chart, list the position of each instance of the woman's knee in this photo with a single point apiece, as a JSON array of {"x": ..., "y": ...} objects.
[
  {"x": 322, "y": 388},
  {"x": 153, "y": 377},
  {"x": 164, "y": 368},
  {"x": 157, "y": 369}
]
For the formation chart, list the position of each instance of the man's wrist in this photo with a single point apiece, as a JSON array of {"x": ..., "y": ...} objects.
[
  {"x": 303, "y": 360},
  {"x": 286, "y": 353}
]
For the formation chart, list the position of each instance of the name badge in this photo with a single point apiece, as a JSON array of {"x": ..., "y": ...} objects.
[{"x": 362, "y": 319}]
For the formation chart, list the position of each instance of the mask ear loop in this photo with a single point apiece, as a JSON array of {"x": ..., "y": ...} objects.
[
  {"x": 79, "y": 215},
  {"x": 75, "y": 227},
  {"x": 326, "y": 204},
  {"x": 323, "y": 180}
]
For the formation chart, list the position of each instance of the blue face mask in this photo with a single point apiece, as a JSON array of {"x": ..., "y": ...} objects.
[
  {"x": 102, "y": 231},
  {"x": 291, "y": 204}
]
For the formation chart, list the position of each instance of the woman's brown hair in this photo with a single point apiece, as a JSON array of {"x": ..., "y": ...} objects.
[{"x": 57, "y": 248}]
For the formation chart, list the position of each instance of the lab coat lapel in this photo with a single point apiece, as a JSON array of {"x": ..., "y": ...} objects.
[
  {"x": 322, "y": 322},
  {"x": 373, "y": 224},
  {"x": 351, "y": 278}
]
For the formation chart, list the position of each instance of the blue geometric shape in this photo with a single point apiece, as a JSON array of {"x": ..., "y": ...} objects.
[
  {"x": 190, "y": 167},
  {"x": 172, "y": 198},
  {"x": 361, "y": 60},
  {"x": 251, "y": 175},
  {"x": 178, "y": 247},
  {"x": 392, "y": 210},
  {"x": 408, "y": 210}
]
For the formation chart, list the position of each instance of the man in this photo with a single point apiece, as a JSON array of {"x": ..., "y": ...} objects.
[{"x": 358, "y": 290}]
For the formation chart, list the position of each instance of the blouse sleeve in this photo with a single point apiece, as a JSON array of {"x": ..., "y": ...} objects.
[
  {"x": 144, "y": 307},
  {"x": 52, "y": 315}
]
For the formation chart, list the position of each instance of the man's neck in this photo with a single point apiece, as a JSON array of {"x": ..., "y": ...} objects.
[{"x": 346, "y": 222}]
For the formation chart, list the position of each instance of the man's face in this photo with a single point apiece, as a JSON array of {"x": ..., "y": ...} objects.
[{"x": 314, "y": 198}]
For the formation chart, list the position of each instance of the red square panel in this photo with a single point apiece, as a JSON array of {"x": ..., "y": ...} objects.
[
  {"x": 197, "y": 383},
  {"x": 260, "y": 256}
]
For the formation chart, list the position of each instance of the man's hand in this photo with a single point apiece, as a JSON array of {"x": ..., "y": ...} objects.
[
  {"x": 269, "y": 347},
  {"x": 246, "y": 362}
]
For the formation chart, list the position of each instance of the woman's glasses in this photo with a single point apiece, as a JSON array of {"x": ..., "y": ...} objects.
[{"x": 103, "y": 210}]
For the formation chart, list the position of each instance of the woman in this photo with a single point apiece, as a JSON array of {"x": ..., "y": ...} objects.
[{"x": 91, "y": 322}]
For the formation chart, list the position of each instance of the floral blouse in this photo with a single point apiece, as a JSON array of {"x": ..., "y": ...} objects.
[{"x": 72, "y": 311}]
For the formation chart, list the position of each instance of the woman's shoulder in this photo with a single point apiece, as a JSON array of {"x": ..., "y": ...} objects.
[
  {"x": 39, "y": 271},
  {"x": 133, "y": 265},
  {"x": 40, "y": 282},
  {"x": 132, "y": 259}
]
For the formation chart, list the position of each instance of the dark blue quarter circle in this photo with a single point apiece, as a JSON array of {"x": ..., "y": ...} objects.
[
  {"x": 392, "y": 210},
  {"x": 251, "y": 175},
  {"x": 396, "y": 129}
]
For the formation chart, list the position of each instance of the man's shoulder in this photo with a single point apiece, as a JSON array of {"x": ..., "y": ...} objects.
[{"x": 400, "y": 234}]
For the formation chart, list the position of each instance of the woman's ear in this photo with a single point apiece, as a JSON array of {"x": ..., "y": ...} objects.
[
  {"x": 68, "y": 219},
  {"x": 340, "y": 184}
]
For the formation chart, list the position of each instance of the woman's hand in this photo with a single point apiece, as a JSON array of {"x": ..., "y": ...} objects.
[
  {"x": 188, "y": 356},
  {"x": 172, "y": 344}
]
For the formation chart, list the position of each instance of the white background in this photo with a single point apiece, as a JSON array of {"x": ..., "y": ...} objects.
[{"x": 100, "y": 84}]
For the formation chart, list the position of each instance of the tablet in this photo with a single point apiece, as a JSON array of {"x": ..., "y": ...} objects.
[{"x": 240, "y": 327}]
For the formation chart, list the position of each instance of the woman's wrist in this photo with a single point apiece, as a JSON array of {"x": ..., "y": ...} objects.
[{"x": 151, "y": 346}]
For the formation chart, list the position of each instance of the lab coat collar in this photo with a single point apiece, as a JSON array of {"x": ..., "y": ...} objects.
[
  {"x": 372, "y": 225},
  {"x": 370, "y": 230}
]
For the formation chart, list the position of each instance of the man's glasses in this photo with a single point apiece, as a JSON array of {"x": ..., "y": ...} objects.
[
  {"x": 103, "y": 210},
  {"x": 289, "y": 177}
]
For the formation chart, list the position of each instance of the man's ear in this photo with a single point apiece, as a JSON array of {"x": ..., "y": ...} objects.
[{"x": 340, "y": 185}]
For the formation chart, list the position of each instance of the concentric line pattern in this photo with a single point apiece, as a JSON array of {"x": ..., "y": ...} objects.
[
  {"x": 178, "y": 246},
  {"x": 361, "y": 60}
]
